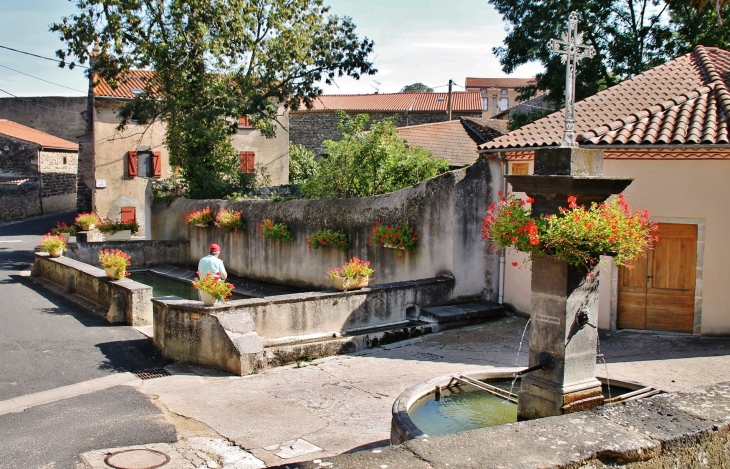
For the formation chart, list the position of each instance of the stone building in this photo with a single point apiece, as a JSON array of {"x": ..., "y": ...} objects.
[
  {"x": 311, "y": 127},
  {"x": 37, "y": 172},
  {"x": 668, "y": 129},
  {"x": 497, "y": 94},
  {"x": 116, "y": 169}
]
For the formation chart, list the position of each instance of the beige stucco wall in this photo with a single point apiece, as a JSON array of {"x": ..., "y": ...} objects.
[
  {"x": 674, "y": 191},
  {"x": 271, "y": 152}
]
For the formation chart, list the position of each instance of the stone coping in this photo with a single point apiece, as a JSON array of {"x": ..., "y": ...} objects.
[{"x": 682, "y": 429}]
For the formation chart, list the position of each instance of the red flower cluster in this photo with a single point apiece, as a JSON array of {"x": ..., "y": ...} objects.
[
  {"x": 278, "y": 231},
  {"x": 401, "y": 236},
  {"x": 212, "y": 285},
  {"x": 324, "y": 238},
  {"x": 354, "y": 268},
  {"x": 200, "y": 218}
]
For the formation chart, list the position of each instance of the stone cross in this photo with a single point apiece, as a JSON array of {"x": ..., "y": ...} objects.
[{"x": 572, "y": 49}]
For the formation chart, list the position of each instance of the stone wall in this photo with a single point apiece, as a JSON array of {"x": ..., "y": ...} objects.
[
  {"x": 18, "y": 158},
  {"x": 85, "y": 174},
  {"x": 311, "y": 128},
  {"x": 144, "y": 253},
  {"x": 18, "y": 202},
  {"x": 448, "y": 210},
  {"x": 55, "y": 115},
  {"x": 59, "y": 170}
]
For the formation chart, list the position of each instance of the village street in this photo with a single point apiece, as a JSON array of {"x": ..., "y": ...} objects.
[{"x": 333, "y": 405}]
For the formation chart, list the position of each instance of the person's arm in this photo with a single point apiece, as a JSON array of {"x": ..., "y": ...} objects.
[{"x": 224, "y": 274}]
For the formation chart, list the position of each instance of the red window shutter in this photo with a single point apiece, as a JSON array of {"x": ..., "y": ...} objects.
[
  {"x": 129, "y": 214},
  {"x": 157, "y": 164},
  {"x": 132, "y": 164},
  {"x": 242, "y": 157},
  {"x": 244, "y": 122},
  {"x": 249, "y": 165},
  {"x": 246, "y": 161}
]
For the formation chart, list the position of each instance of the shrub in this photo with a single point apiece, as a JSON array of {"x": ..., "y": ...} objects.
[
  {"x": 112, "y": 226},
  {"x": 270, "y": 230},
  {"x": 302, "y": 164},
  {"x": 400, "y": 236},
  {"x": 577, "y": 235},
  {"x": 50, "y": 243},
  {"x": 324, "y": 238},
  {"x": 200, "y": 218},
  {"x": 354, "y": 268},
  {"x": 85, "y": 220},
  {"x": 63, "y": 228},
  {"x": 214, "y": 286},
  {"x": 115, "y": 259},
  {"x": 229, "y": 221},
  {"x": 167, "y": 190}
]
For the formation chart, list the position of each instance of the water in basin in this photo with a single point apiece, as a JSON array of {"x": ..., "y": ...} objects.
[{"x": 165, "y": 286}]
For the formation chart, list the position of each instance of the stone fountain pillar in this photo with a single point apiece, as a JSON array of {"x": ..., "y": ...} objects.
[{"x": 564, "y": 299}]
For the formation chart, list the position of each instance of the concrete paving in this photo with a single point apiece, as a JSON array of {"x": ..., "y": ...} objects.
[{"x": 342, "y": 404}]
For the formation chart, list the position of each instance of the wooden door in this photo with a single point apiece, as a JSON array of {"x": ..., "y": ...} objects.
[{"x": 659, "y": 292}]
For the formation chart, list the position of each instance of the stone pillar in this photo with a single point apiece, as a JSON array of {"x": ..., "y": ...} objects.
[{"x": 563, "y": 340}]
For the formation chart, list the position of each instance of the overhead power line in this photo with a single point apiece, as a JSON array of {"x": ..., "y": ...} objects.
[
  {"x": 41, "y": 79},
  {"x": 39, "y": 56},
  {"x": 37, "y": 104}
]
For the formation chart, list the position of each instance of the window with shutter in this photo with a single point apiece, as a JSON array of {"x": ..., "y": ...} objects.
[
  {"x": 246, "y": 161},
  {"x": 157, "y": 164},
  {"x": 244, "y": 122},
  {"x": 132, "y": 164},
  {"x": 521, "y": 168},
  {"x": 129, "y": 214}
]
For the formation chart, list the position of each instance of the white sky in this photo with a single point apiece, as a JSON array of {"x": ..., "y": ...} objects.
[{"x": 428, "y": 41}]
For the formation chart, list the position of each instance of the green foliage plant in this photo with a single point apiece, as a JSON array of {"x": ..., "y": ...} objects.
[
  {"x": 323, "y": 238},
  {"x": 112, "y": 226},
  {"x": 401, "y": 236},
  {"x": 62, "y": 227},
  {"x": 364, "y": 164},
  {"x": 229, "y": 221},
  {"x": 50, "y": 243},
  {"x": 302, "y": 164},
  {"x": 278, "y": 231},
  {"x": 416, "y": 88},
  {"x": 199, "y": 218},
  {"x": 167, "y": 190},
  {"x": 353, "y": 269},
  {"x": 115, "y": 259},
  {"x": 213, "y": 62},
  {"x": 577, "y": 235},
  {"x": 214, "y": 286},
  {"x": 86, "y": 220}
]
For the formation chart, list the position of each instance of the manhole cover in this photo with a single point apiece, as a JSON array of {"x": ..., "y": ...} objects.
[
  {"x": 137, "y": 459},
  {"x": 152, "y": 373}
]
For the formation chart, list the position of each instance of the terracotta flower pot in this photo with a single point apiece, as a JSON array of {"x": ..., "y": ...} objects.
[
  {"x": 111, "y": 272},
  {"x": 56, "y": 253},
  {"x": 65, "y": 236},
  {"x": 207, "y": 298},
  {"x": 344, "y": 283}
]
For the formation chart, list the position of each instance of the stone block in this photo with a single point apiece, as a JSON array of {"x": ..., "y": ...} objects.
[{"x": 579, "y": 162}]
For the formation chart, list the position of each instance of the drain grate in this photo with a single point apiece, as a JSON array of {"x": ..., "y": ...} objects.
[{"x": 152, "y": 373}]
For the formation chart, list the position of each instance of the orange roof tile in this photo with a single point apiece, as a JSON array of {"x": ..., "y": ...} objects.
[
  {"x": 21, "y": 132},
  {"x": 129, "y": 85},
  {"x": 683, "y": 101},
  {"x": 498, "y": 82},
  {"x": 398, "y": 102},
  {"x": 456, "y": 141}
]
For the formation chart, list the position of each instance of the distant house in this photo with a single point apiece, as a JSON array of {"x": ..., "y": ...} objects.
[
  {"x": 456, "y": 141},
  {"x": 311, "y": 127},
  {"x": 37, "y": 172},
  {"x": 116, "y": 169},
  {"x": 497, "y": 94},
  {"x": 669, "y": 129}
]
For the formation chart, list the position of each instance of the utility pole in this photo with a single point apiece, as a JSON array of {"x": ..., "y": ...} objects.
[{"x": 450, "y": 105}]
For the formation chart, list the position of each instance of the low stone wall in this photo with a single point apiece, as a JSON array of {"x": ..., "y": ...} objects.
[
  {"x": 18, "y": 202},
  {"x": 144, "y": 253},
  {"x": 232, "y": 336},
  {"x": 447, "y": 209},
  {"x": 127, "y": 301}
]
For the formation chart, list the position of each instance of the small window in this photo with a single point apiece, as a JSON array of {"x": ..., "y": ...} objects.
[
  {"x": 65, "y": 160},
  {"x": 521, "y": 168},
  {"x": 504, "y": 104},
  {"x": 244, "y": 122},
  {"x": 246, "y": 161},
  {"x": 129, "y": 214},
  {"x": 484, "y": 91},
  {"x": 485, "y": 104},
  {"x": 144, "y": 164},
  {"x": 504, "y": 91}
]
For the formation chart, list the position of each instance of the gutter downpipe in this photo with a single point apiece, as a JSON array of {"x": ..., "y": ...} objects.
[{"x": 500, "y": 298}]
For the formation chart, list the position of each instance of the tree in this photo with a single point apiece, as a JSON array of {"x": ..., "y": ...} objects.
[
  {"x": 302, "y": 164},
  {"x": 699, "y": 5},
  {"x": 363, "y": 164},
  {"x": 697, "y": 26},
  {"x": 417, "y": 88},
  {"x": 629, "y": 37},
  {"x": 214, "y": 61}
]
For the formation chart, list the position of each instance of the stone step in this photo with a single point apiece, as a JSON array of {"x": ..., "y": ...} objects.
[{"x": 467, "y": 313}]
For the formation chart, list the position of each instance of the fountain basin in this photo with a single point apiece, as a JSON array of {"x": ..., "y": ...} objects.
[{"x": 404, "y": 426}]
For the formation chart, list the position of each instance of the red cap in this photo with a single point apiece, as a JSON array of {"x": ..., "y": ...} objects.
[{"x": 214, "y": 248}]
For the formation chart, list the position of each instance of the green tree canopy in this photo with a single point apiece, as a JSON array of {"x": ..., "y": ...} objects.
[
  {"x": 302, "y": 163},
  {"x": 214, "y": 61},
  {"x": 416, "y": 87},
  {"x": 363, "y": 164}
]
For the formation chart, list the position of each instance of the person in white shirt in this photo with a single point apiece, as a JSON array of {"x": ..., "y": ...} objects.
[{"x": 211, "y": 264}]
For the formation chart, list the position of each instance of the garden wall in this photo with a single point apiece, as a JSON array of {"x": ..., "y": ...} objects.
[
  {"x": 447, "y": 209},
  {"x": 144, "y": 253}
]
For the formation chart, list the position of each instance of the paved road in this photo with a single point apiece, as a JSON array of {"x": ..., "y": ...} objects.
[{"x": 46, "y": 342}]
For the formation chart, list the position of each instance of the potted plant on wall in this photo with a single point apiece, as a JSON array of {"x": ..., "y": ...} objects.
[
  {"x": 278, "y": 231},
  {"x": 115, "y": 263},
  {"x": 63, "y": 230},
  {"x": 401, "y": 236},
  {"x": 354, "y": 274},
  {"x": 199, "y": 218},
  {"x": 212, "y": 288},
  {"x": 229, "y": 221},
  {"x": 53, "y": 245},
  {"x": 87, "y": 221},
  {"x": 323, "y": 238},
  {"x": 116, "y": 230}
]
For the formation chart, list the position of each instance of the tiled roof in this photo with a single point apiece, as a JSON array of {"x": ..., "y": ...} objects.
[
  {"x": 456, "y": 141},
  {"x": 684, "y": 101},
  {"x": 129, "y": 85},
  {"x": 398, "y": 102},
  {"x": 15, "y": 130},
  {"x": 498, "y": 82},
  {"x": 13, "y": 180}
]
